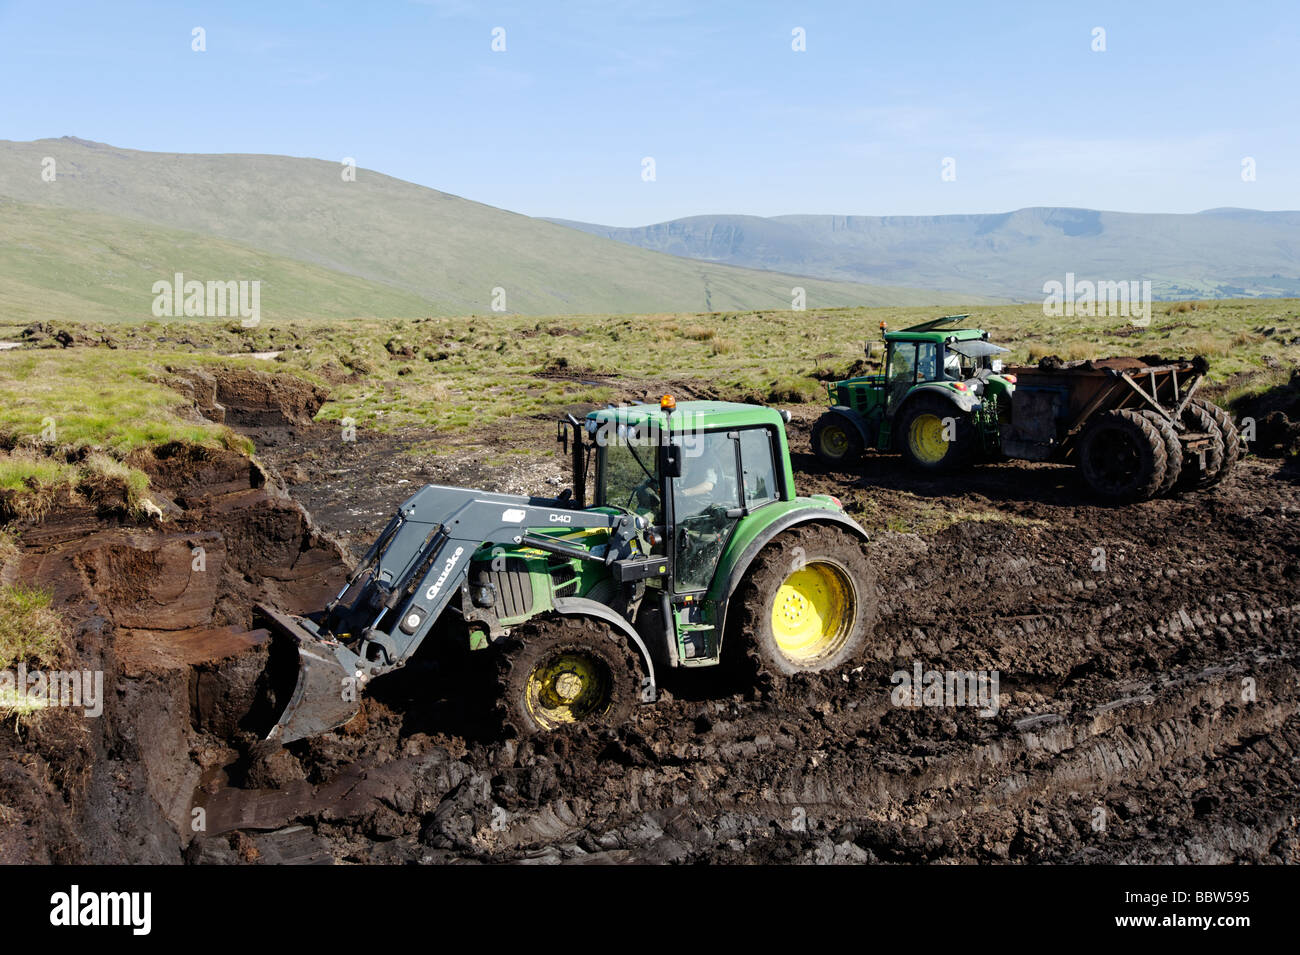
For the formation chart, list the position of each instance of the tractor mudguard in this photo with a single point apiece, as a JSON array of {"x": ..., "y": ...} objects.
[
  {"x": 735, "y": 563},
  {"x": 857, "y": 420},
  {"x": 963, "y": 401},
  {"x": 582, "y": 607}
]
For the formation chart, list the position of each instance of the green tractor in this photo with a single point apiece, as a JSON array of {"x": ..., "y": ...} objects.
[
  {"x": 694, "y": 532},
  {"x": 940, "y": 400}
]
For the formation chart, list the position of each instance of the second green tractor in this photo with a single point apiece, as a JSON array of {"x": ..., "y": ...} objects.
[{"x": 939, "y": 401}]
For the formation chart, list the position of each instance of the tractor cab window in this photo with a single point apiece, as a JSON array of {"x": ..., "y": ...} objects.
[
  {"x": 957, "y": 367},
  {"x": 927, "y": 357},
  {"x": 705, "y": 499},
  {"x": 629, "y": 478},
  {"x": 758, "y": 465},
  {"x": 902, "y": 371}
]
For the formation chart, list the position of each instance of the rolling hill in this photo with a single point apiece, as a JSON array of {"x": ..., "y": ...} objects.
[
  {"x": 113, "y": 221},
  {"x": 1220, "y": 253}
]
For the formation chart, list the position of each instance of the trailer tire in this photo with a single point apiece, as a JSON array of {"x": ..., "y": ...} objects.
[
  {"x": 1231, "y": 437},
  {"x": 1122, "y": 456},
  {"x": 835, "y": 441},
  {"x": 920, "y": 434},
  {"x": 1173, "y": 450},
  {"x": 809, "y": 601},
  {"x": 557, "y": 672},
  {"x": 1197, "y": 418}
]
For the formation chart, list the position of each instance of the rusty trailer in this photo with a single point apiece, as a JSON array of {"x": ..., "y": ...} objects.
[{"x": 1136, "y": 428}]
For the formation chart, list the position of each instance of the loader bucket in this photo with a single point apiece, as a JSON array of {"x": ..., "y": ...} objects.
[{"x": 327, "y": 692}]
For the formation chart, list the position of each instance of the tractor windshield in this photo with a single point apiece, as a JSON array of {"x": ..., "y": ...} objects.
[{"x": 630, "y": 478}]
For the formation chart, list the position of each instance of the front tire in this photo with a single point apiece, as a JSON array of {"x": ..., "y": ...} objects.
[
  {"x": 559, "y": 672},
  {"x": 835, "y": 441},
  {"x": 809, "y": 601}
]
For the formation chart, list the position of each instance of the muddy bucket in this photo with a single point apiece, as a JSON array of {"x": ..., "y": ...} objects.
[{"x": 328, "y": 688}]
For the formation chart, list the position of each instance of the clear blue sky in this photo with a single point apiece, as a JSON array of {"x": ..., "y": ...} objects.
[{"x": 736, "y": 121}]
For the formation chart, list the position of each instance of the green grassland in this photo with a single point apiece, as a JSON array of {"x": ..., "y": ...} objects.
[
  {"x": 92, "y": 267},
  {"x": 450, "y": 376},
  {"x": 91, "y": 243}
]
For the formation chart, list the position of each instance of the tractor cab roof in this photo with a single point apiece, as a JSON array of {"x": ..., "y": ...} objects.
[
  {"x": 688, "y": 416},
  {"x": 937, "y": 330}
]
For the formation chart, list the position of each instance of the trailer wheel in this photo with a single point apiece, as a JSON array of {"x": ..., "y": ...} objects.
[
  {"x": 1197, "y": 418},
  {"x": 1122, "y": 456},
  {"x": 1231, "y": 437},
  {"x": 567, "y": 671},
  {"x": 809, "y": 601},
  {"x": 835, "y": 441},
  {"x": 1173, "y": 450},
  {"x": 934, "y": 434}
]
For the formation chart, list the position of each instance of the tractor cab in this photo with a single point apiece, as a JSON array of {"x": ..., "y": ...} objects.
[
  {"x": 929, "y": 353},
  {"x": 692, "y": 471}
]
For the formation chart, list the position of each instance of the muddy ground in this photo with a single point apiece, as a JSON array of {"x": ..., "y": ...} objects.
[{"x": 1150, "y": 709}]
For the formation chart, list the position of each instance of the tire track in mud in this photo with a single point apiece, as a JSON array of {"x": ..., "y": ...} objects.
[
  {"x": 659, "y": 797},
  {"x": 962, "y": 794}
]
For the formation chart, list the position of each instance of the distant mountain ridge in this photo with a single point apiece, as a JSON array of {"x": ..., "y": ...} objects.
[
  {"x": 89, "y": 242},
  {"x": 1225, "y": 252}
]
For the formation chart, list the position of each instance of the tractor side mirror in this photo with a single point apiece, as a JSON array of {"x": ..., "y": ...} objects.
[{"x": 670, "y": 460}]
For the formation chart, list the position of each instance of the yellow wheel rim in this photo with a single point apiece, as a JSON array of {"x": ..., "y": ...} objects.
[
  {"x": 835, "y": 443},
  {"x": 926, "y": 440},
  {"x": 569, "y": 687},
  {"x": 813, "y": 613}
]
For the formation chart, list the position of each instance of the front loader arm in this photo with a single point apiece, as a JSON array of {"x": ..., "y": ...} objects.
[
  {"x": 416, "y": 567},
  {"x": 429, "y": 557}
]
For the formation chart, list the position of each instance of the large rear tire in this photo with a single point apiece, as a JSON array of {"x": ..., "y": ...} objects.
[
  {"x": 1198, "y": 418},
  {"x": 808, "y": 602},
  {"x": 1122, "y": 456},
  {"x": 1173, "y": 450},
  {"x": 835, "y": 441},
  {"x": 933, "y": 434},
  {"x": 1231, "y": 437},
  {"x": 558, "y": 672}
]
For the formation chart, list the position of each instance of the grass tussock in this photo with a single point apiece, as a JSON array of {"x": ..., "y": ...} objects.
[
  {"x": 8, "y": 546},
  {"x": 31, "y": 630},
  {"x": 32, "y": 483}
]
